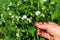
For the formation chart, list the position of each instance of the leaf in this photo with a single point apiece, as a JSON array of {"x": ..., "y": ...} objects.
[
  {"x": 54, "y": 16},
  {"x": 7, "y": 38},
  {"x": 37, "y": 18},
  {"x": 31, "y": 30},
  {"x": 42, "y": 38}
]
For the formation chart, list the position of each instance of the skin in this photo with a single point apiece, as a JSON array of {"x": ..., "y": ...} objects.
[{"x": 48, "y": 30}]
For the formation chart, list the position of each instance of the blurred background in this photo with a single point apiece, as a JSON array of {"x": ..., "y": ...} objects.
[{"x": 17, "y": 17}]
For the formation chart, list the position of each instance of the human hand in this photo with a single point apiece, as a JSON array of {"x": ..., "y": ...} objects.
[{"x": 48, "y": 30}]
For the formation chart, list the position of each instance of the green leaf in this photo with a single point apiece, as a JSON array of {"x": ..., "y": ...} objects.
[
  {"x": 37, "y": 18},
  {"x": 42, "y": 38},
  {"x": 7, "y": 38},
  {"x": 31, "y": 30},
  {"x": 54, "y": 16}
]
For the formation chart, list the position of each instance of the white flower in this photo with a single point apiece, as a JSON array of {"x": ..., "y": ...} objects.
[
  {"x": 42, "y": 1},
  {"x": 10, "y": 13},
  {"x": 19, "y": 16},
  {"x": 29, "y": 19},
  {"x": 10, "y": 4},
  {"x": 37, "y": 13},
  {"x": 1, "y": 15},
  {"x": 18, "y": 4},
  {"x": 42, "y": 15},
  {"x": 17, "y": 19},
  {"x": 52, "y": 2},
  {"x": 17, "y": 34},
  {"x": 8, "y": 8},
  {"x": 12, "y": 16},
  {"x": 4, "y": 21},
  {"x": 43, "y": 7},
  {"x": 16, "y": 16},
  {"x": 12, "y": 22},
  {"x": 24, "y": 17}
]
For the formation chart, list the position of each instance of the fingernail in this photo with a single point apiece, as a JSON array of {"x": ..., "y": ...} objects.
[
  {"x": 36, "y": 23},
  {"x": 40, "y": 22},
  {"x": 45, "y": 23}
]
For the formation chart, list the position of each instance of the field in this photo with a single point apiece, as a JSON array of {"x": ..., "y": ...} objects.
[{"x": 17, "y": 17}]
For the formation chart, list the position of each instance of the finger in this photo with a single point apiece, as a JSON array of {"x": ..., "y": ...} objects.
[
  {"x": 43, "y": 34},
  {"x": 40, "y": 22},
  {"x": 46, "y": 27},
  {"x": 51, "y": 29},
  {"x": 52, "y": 23},
  {"x": 45, "y": 23},
  {"x": 41, "y": 26}
]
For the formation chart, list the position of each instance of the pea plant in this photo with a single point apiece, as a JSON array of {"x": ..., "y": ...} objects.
[{"x": 17, "y": 17}]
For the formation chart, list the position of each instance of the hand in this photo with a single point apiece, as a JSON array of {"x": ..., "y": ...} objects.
[{"x": 48, "y": 30}]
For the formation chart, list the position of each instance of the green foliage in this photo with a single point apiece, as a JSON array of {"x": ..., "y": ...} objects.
[
  {"x": 17, "y": 17},
  {"x": 42, "y": 38},
  {"x": 31, "y": 30}
]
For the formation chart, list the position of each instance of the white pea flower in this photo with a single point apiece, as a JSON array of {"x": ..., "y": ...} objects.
[
  {"x": 12, "y": 22},
  {"x": 17, "y": 19},
  {"x": 43, "y": 7},
  {"x": 42, "y": 1},
  {"x": 10, "y": 13},
  {"x": 24, "y": 17},
  {"x": 18, "y": 4},
  {"x": 1, "y": 15},
  {"x": 29, "y": 19},
  {"x": 17, "y": 34},
  {"x": 16, "y": 16},
  {"x": 10, "y": 4},
  {"x": 8, "y": 8},
  {"x": 4, "y": 21},
  {"x": 42, "y": 15},
  {"x": 12, "y": 16},
  {"x": 19, "y": 16},
  {"x": 37, "y": 13},
  {"x": 52, "y": 2}
]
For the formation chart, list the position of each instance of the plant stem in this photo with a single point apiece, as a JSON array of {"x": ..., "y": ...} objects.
[
  {"x": 37, "y": 37},
  {"x": 38, "y": 4},
  {"x": 31, "y": 3},
  {"x": 34, "y": 38}
]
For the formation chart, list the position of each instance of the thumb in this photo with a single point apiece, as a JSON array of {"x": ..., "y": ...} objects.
[{"x": 43, "y": 34}]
